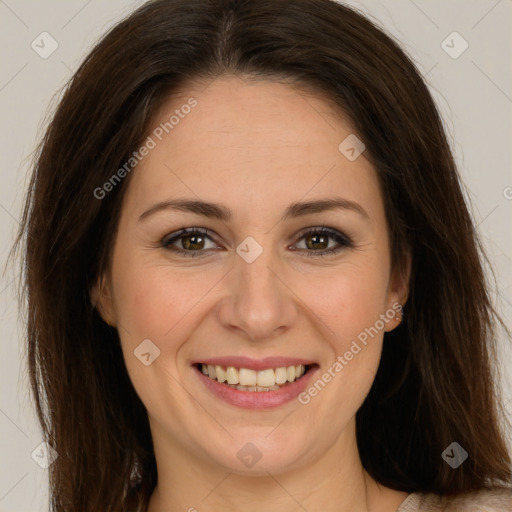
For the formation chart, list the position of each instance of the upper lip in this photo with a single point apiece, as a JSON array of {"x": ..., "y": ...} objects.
[{"x": 255, "y": 364}]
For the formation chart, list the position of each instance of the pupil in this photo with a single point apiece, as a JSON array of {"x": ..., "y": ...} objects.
[
  {"x": 317, "y": 237},
  {"x": 194, "y": 239}
]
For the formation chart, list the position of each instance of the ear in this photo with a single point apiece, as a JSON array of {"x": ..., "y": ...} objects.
[
  {"x": 101, "y": 299},
  {"x": 398, "y": 291}
]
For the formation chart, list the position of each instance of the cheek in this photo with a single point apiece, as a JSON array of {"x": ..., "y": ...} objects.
[
  {"x": 154, "y": 301},
  {"x": 348, "y": 305},
  {"x": 348, "y": 299},
  {"x": 164, "y": 306},
  {"x": 349, "y": 367}
]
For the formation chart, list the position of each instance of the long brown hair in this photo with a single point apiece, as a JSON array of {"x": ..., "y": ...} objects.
[{"x": 435, "y": 383}]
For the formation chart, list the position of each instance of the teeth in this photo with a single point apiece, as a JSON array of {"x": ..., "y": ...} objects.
[
  {"x": 253, "y": 388},
  {"x": 247, "y": 377},
  {"x": 266, "y": 378},
  {"x": 232, "y": 375},
  {"x": 281, "y": 375},
  {"x": 221, "y": 374},
  {"x": 251, "y": 380}
]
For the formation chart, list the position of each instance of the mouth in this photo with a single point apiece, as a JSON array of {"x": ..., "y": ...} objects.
[
  {"x": 249, "y": 380},
  {"x": 255, "y": 384}
]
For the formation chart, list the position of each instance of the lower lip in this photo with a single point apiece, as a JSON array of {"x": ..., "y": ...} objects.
[{"x": 257, "y": 399}]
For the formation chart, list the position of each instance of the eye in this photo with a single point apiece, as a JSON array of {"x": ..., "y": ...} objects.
[
  {"x": 317, "y": 240},
  {"x": 190, "y": 242}
]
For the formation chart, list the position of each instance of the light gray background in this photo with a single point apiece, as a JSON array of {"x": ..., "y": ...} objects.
[{"x": 473, "y": 92}]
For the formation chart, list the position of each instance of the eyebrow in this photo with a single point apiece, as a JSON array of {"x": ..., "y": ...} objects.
[{"x": 221, "y": 212}]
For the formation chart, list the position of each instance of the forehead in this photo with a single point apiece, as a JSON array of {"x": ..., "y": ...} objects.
[{"x": 254, "y": 142}]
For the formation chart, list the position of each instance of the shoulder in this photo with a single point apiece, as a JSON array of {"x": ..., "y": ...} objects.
[
  {"x": 498, "y": 499},
  {"x": 486, "y": 500}
]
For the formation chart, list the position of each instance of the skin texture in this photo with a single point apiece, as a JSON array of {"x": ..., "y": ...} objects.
[{"x": 256, "y": 147}]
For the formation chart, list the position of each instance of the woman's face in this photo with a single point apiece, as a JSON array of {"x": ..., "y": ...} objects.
[{"x": 258, "y": 291}]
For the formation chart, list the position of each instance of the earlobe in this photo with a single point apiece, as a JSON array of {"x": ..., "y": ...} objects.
[
  {"x": 402, "y": 278},
  {"x": 400, "y": 290},
  {"x": 101, "y": 299}
]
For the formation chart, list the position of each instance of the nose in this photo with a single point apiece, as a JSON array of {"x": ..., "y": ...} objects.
[{"x": 259, "y": 303}]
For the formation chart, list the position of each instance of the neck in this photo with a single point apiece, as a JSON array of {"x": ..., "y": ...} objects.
[{"x": 333, "y": 482}]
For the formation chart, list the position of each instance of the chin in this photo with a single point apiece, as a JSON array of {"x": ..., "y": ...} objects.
[{"x": 258, "y": 452}]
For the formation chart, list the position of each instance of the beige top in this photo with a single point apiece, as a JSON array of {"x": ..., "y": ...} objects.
[{"x": 495, "y": 500}]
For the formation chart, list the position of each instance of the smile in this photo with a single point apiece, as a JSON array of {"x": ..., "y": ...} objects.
[
  {"x": 245, "y": 379},
  {"x": 255, "y": 384}
]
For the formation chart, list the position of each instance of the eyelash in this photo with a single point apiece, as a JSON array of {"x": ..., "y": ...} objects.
[{"x": 341, "y": 239}]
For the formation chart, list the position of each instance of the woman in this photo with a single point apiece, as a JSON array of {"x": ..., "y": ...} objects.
[{"x": 253, "y": 282}]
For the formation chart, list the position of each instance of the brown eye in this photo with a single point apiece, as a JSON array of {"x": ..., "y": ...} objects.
[
  {"x": 192, "y": 241},
  {"x": 189, "y": 242},
  {"x": 318, "y": 242}
]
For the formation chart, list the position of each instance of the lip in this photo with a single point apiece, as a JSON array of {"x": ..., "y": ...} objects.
[
  {"x": 256, "y": 399},
  {"x": 255, "y": 364}
]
